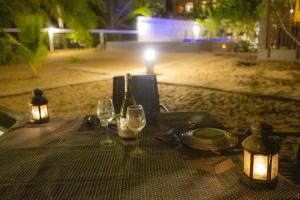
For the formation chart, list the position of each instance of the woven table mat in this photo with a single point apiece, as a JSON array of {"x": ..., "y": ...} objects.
[{"x": 61, "y": 167}]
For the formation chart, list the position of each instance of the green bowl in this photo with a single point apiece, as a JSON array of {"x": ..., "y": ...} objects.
[{"x": 209, "y": 139}]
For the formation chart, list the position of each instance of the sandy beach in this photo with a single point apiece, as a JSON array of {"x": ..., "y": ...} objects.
[{"x": 76, "y": 89}]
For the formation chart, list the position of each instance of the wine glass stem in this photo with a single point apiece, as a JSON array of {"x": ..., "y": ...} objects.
[
  {"x": 106, "y": 132},
  {"x": 137, "y": 147}
]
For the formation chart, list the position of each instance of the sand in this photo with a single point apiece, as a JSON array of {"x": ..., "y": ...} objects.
[
  {"x": 234, "y": 111},
  {"x": 74, "y": 97}
]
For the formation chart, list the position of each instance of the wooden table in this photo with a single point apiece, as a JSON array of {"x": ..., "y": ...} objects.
[{"x": 60, "y": 160}]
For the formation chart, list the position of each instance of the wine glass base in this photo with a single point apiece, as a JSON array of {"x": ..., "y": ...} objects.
[
  {"x": 136, "y": 153},
  {"x": 107, "y": 142}
]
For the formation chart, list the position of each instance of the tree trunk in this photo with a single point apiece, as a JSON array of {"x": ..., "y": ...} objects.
[
  {"x": 34, "y": 70},
  {"x": 263, "y": 29}
]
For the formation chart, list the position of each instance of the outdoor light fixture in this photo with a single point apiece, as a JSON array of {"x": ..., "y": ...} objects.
[
  {"x": 224, "y": 46},
  {"x": 189, "y": 6},
  {"x": 39, "y": 107},
  {"x": 292, "y": 11},
  {"x": 150, "y": 56},
  {"x": 260, "y": 158}
]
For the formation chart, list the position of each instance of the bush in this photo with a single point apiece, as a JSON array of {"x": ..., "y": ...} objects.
[
  {"x": 83, "y": 38},
  {"x": 242, "y": 46}
]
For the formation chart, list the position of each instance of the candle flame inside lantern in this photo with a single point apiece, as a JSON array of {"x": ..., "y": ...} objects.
[
  {"x": 260, "y": 167},
  {"x": 35, "y": 112}
]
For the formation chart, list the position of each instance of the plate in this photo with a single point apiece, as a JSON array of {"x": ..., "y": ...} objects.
[{"x": 209, "y": 139}]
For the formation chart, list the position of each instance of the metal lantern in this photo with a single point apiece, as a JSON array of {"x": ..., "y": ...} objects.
[
  {"x": 260, "y": 158},
  {"x": 39, "y": 107}
]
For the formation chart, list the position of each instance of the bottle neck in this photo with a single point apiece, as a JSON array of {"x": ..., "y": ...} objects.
[{"x": 128, "y": 87}]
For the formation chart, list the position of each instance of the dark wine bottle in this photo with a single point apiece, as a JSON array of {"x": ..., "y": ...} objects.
[{"x": 128, "y": 100}]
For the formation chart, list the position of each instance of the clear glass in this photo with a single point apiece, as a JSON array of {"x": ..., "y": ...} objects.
[
  {"x": 136, "y": 121},
  {"x": 44, "y": 111},
  {"x": 274, "y": 168},
  {"x": 35, "y": 113},
  {"x": 38, "y": 112},
  {"x": 247, "y": 161},
  {"x": 105, "y": 113},
  {"x": 260, "y": 167}
]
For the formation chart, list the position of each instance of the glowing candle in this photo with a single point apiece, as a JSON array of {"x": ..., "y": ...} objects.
[
  {"x": 260, "y": 158},
  {"x": 44, "y": 111},
  {"x": 35, "y": 112},
  {"x": 260, "y": 167},
  {"x": 39, "y": 107}
]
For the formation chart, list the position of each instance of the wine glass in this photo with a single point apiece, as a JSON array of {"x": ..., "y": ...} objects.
[
  {"x": 105, "y": 113},
  {"x": 136, "y": 121}
]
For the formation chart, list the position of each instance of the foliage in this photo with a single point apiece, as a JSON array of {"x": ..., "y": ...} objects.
[
  {"x": 74, "y": 59},
  {"x": 9, "y": 9},
  {"x": 76, "y": 14},
  {"x": 32, "y": 39},
  {"x": 240, "y": 18},
  {"x": 153, "y": 8},
  {"x": 241, "y": 46},
  {"x": 210, "y": 23},
  {"x": 119, "y": 14},
  {"x": 240, "y": 15},
  {"x": 11, "y": 51},
  {"x": 83, "y": 38}
]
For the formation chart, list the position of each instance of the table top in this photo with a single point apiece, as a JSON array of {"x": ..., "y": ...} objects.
[{"x": 60, "y": 160}]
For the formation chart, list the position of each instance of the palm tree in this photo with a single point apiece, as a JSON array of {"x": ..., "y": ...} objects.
[
  {"x": 75, "y": 14},
  {"x": 31, "y": 15},
  {"x": 9, "y": 9},
  {"x": 32, "y": 40},
  {"x": 118, "y": 14}
]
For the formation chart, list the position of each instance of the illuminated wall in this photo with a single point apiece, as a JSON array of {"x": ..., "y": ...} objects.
[{"x": 166, "y": 30}]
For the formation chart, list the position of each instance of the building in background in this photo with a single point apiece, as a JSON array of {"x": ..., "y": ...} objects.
[
  {"x": 183, "y": 8},
  {"x": 275, "y": 43}
]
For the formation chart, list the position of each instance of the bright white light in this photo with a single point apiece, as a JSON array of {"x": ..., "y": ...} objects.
[
  {"x": 292, "y": 11},
  {"x": 1, "y": 132},
  {"x": 189, "y": 6},
  {"x": 142, "y": 27},
  {"x": 150, "y": 55},
  {"x": 223, "y": 46},
  {"x": 51, "y": 30},
  {"x": 260, "y": 169},
  {"x": 196, "y": 29}
]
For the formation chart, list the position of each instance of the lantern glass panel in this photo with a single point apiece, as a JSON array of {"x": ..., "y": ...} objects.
[
  {"x": 35, "y": 112},
  {"x": 44, "y": 111},
  {"x": 247, "y": 161},
  {"x": 274, "y": 170},
  {"x": 260, "y": 167}
]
